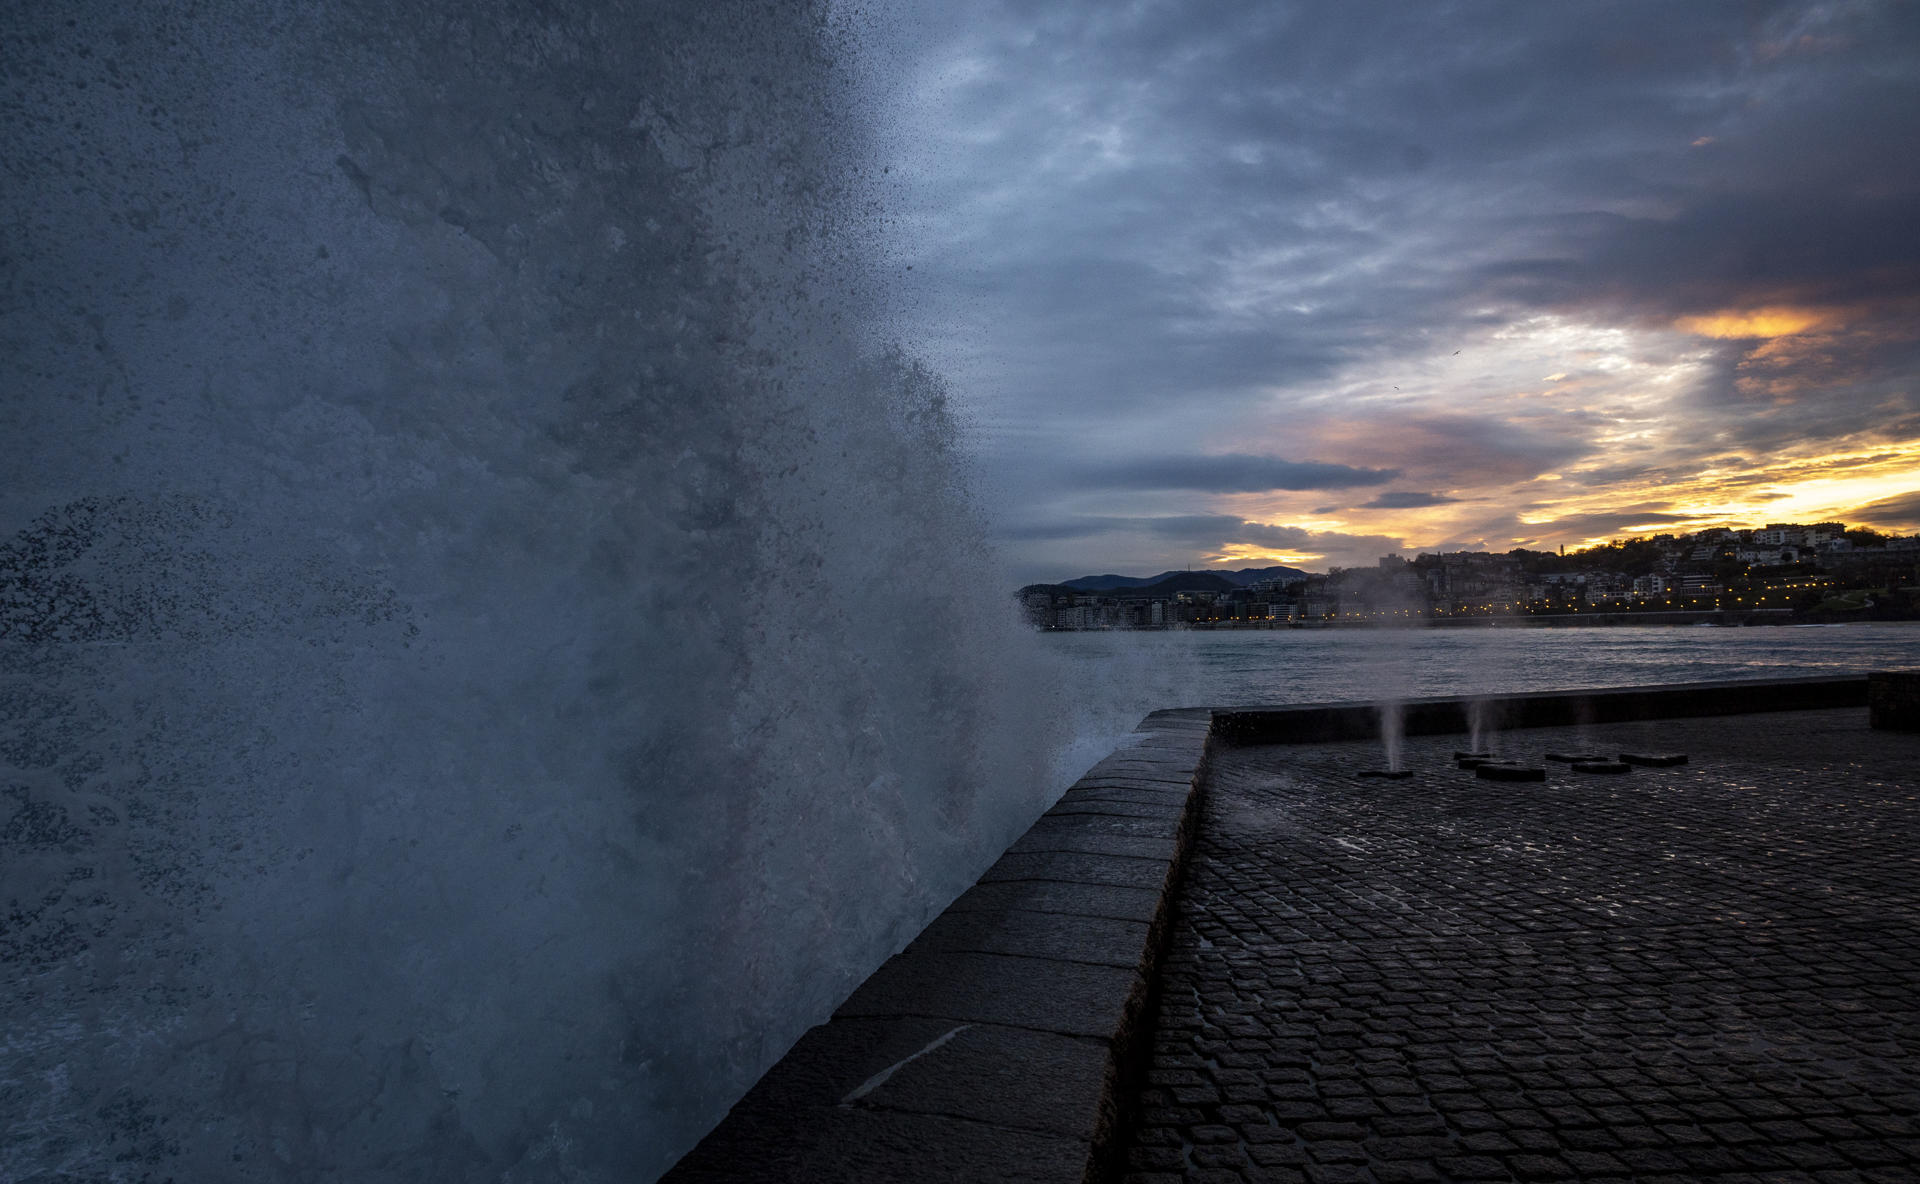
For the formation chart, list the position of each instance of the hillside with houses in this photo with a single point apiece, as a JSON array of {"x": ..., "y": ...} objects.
[{"x": 1782, "y": 573}]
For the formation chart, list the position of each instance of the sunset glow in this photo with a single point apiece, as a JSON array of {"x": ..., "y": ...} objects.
[
  {"x": 1762, "y": 322},
  {"x": 1574, "y": 302}
]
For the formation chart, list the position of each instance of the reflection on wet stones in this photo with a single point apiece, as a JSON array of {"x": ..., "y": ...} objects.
[{"x": 1698, "y": 972}]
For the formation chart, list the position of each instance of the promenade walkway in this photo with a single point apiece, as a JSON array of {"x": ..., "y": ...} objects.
[{"x": 1709, "y": 971}]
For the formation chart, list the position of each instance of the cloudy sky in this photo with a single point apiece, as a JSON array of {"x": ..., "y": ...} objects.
[{"x": 1264, "y": 282}]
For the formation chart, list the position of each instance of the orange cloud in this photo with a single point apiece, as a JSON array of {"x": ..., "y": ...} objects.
[
  {"x": 1630, "y": 453},
  {"x": 1779, "y": 321},
  {"x": 1250, "y": 553}
]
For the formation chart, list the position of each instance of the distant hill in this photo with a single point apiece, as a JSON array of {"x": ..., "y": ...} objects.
[
  {"x": 1235, "y": 579},
  {"x": 1253, "y": 575},
  {"x": 1166, "y": 583},
  {"x": 1179, "y": 581},
  {"x": 1102, "y": 583}
]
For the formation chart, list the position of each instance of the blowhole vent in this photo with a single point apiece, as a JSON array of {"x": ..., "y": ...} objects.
[
  {"x": 1601, "y": 767},
  {"x": 1654, "y": 760}
]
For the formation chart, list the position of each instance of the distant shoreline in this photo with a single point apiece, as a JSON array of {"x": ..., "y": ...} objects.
[{"x": 1726, "y": 618}]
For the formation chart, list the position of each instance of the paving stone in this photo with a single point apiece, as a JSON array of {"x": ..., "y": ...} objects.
[
  {"x": 1277, "y": 1155},
  {"x": 1539, "y": 1167},
  {"x": 1703, "y": 1161},
  {"x": 1063, "y": 829},
  {"x": 1473, "y": 1167},
  {"x": 1080, "y": 867},
  {"x": 1078, "y": 900},
  {"x": 1335, "y": 1151},
  {"x": 1409, "y": 1147},
  {"x": 878, "y": 1145},
  {"x": 1589, "y": 1139},
  {"x": 1332, "y": 1130},
  {"x": 1081, "y": 838},
  {"x": 1009, "y": 1077},
  {"x": 1149, "y": 817},
  {"x": 1646, "y": 1160},
  {"x": 1697, "y": 972},
  {"x": 1870, "y": 1154},
  {"x": 1337, "y": 1173},
  {"x": 1594, "y": 1163},
  {"x": 1220, "y": 1156},
  {"x": 1069, "y": 998},
  {"x": 1488, "y": 1143},
  {"x": 1026, "y": 933}
]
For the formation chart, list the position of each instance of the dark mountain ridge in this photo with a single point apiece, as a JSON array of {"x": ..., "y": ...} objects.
[
  {"x": 1236, "y": 579},
  {"x": 1161, "y": 586}
]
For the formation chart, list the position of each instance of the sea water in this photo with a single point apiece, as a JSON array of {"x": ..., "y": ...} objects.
[{"x": 1223, "y": 668}]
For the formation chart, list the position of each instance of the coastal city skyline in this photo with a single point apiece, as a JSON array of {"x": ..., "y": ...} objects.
[
  {"x": 1250, "y": 283},
  {"x": 1778, "y": 573}
]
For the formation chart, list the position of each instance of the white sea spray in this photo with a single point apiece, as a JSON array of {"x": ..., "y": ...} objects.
[{"x": 495, "y": 641}]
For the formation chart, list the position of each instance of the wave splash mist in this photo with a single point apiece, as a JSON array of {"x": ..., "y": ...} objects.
[{"x": 491, "y": 651}]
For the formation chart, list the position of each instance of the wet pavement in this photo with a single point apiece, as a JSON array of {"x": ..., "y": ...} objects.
[{"x": 1708, "y": 971}]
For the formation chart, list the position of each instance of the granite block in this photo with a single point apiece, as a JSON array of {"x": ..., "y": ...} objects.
[
  {"x": 1079, "y": 867},
  {"x": 1107, "y": 940},
  {"x": 1070, "y": 998},
  {"x": 874, "y": 1146},
  {"x": 1086, "y": 900}
]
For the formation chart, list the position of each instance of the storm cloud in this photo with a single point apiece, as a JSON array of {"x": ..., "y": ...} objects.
[
  {"x": 1406, "y": 501},
  {"x": 1185, "y": 536},
  {"x": 1234, "y": 473},
  {"x": 1894, "y": 513},
  {"x": 1480, "y": 248}
]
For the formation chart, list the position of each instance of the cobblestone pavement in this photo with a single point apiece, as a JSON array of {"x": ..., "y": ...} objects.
[{"x": 1710, "y": 971}]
